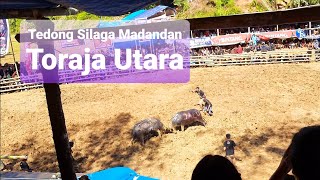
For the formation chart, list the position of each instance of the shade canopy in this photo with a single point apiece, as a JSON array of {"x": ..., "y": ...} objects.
[{"x": 98, "y": 7}]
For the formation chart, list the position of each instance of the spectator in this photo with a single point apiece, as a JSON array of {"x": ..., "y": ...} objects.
[
  {"x": 239, "y": 49},
  {"x": 215, "y": 168},
  {"x": 264, "y": 47},
  {"x": 302, "y": 156},
  {"x": 316, "y": 44},
  {"x": 234, "y": 50},
  {"x": 229, "y": 146},
  {"x": 1, "y": 72},
  {"x": 24, "y": 166}
]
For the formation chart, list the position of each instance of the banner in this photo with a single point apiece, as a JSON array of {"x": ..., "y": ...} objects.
[
  {"x": 200, "y": 42},
  {"x": 4, "y": 37},
  {"x": 279, "y": 34},
  {"x": 72, "y": 43},
  {"x": 98, "y": 44},
  {"x": 230, "y": 39},
  {"x": 301, "y": 33}
]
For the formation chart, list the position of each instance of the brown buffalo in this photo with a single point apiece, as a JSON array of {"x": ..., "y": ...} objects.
[{"x": 187, "y": 118}]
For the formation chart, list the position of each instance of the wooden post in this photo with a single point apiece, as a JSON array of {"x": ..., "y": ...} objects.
[
  {"x": 56, "y": 115},
  {"x": 313, "y": 55},
  {"x": 59, "y": 131},
  {"x": 310, "y": 26}
]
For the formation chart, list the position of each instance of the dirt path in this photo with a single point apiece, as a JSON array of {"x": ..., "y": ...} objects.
[{"x": 261, "y": 106}]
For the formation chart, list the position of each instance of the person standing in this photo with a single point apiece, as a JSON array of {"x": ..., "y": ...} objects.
[
  {"x": 229, "y": 146},
  {"x": 206, "y": 105},
  {"x": 199, "y": 92}
]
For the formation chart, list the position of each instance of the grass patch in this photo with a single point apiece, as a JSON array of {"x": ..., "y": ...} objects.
[{"x": 257, "y": 6}]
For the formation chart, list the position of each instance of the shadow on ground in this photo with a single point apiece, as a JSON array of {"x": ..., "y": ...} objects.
[{"x": 97, "y": 145}]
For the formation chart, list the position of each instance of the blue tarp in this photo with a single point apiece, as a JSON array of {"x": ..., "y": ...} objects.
[
  {"x": 133, "y": 15},
  {"x": 98, "y": 7},
  {"x": 141, "y": 14},
  {"x": 117, "y": 173},
  {"x": 109, "y": 24},
  {"x": 151, "y": 12}
]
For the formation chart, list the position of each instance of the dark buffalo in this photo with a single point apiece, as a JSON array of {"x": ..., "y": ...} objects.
[
  {"x": 187, "y": 118},
  {"x": 145, "y": 129}
]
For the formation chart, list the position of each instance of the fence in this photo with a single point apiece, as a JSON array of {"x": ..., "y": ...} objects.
[
  {"x": 271, "y": 57},
  {"x": 15, "y": 84}
]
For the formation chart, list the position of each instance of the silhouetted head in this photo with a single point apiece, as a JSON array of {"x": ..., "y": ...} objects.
[
  {"x": 228, "y": 136},
  {"x": 305, "y": 155},
  {"x": 84, "y": 177},
  {"x": 216, "y": 168},
  {"x": 197, "y": 88}
]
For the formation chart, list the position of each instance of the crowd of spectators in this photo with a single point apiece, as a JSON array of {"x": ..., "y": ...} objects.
[
  {"x": 263, "y": 46},
  {"x": 270, "y": 45},
  {"x": 284, "y": 27},
  {"x": 8, "y": 71}
]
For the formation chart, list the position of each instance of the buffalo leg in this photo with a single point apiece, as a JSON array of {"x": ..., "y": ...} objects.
[
  {"x": 174, "y": 130},
  {"x": 141, "y": 139},
  {"x": 182, "y": 127},
  {"x": 159, "y": 132}
]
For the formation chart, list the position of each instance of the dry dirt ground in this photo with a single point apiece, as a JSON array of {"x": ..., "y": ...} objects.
[{"x": 261, "y": 106}]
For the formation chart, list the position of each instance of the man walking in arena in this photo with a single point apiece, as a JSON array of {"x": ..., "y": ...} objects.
[{"x": 229, "y": 146}]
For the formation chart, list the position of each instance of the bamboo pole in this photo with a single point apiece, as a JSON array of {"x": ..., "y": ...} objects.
[{"x": 14, "y": 58}]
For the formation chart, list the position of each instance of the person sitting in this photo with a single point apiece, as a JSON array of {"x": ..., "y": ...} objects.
[
  {"x": 215, "y": 167},
  {"x": 302, "y": 156},
  {"x": 24, "y": 166}
]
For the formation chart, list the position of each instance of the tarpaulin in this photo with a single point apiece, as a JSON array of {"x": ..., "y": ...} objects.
[
  {"x": 97, "y": 7},
  {"x": 230, "y": 39},
  {"x": 133, "y": 15},
  {"x": 117, "y": 173},
  {"x": 279, "y": 34},
  {"x": 4, "y": 37},
  {"x": 200, "y": 42}
]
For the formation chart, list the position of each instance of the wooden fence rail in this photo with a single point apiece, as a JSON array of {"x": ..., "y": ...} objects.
[{"x": 272, "y": 57}]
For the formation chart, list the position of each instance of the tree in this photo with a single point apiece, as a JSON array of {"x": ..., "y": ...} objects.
[{"x": 300, "y": 3}]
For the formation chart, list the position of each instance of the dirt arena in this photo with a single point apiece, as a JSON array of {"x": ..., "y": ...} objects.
[{"x": 261, "y": 106}]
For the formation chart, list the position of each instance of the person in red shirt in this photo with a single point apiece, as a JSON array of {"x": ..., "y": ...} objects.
[{"x": 239, "y": 49}]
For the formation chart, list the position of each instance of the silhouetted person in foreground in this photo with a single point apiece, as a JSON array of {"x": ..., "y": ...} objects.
[
  {"x": 84, "y": 177},
  {"x": 215, "y": 168},
  {"x": 302, "y": 156}
]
